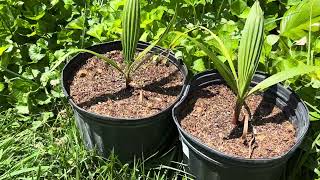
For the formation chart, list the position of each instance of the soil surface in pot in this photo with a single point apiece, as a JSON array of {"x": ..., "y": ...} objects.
[
  {"x": 99, "y": 88},
  {"x": 208, "y": 114}
]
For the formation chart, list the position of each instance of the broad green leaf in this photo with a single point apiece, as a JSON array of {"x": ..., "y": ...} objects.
[
  {"x": 3, "y": 49},
  {"x": 296, "y": 20},
  {"x": 199, "y": 54},
  {"x": 42, "y": 98},
  {"x": 250, "y": 48},
  {"x": 54, "y": 2},
  {"x": 96, "y": 31},
  {"x": 270, "y": 22},
  {"x": 314, "y": 116},
  {"x": 238, "y": 6},
  {"x": 1, "y": 86},
  {"x": 20, "y": 89},
  {"x": 130, "y": 26},
  {"x": 284, "y": 75},
  {"x": 159, "y": 33},
  {"x": 293, "y": 2},
  {"x": 35, "y": 11},
  {"x": 22, "y": 109},
  {"x": 76, "y": 23},
  {"x": 22, "y": 23},
  {"x": 195, "y": 2},
  {"x": 42, "y": 43},
  {"x": 179, "y": 37},
  {"x": 272, "y": 39},
  {"x": 155, "y": 14},
  {"x": 61, "y": 57},
  {"x": 35, "y": 53},
  {"x": 198, "y": 65}
]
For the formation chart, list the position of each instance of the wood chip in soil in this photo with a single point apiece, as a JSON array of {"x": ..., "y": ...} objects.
[
  {"x": 99, "y": 88},
  {"x": 208, "y": 113}
]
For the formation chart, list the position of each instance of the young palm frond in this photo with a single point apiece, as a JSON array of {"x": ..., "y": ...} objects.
[
  {"x": 130, "y": 32},
  {"x": 130, "y": 29},
  {"x": 249, "y": 53}
]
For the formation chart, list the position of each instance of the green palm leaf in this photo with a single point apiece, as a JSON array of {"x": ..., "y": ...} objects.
[
  {"x": 250, "y": 49},
  {"x": 284, "y": 75},
  {"x": 130, "y": 26},
  {"x": 223, "y": 69},
  {"x": 223, "y": 50}
]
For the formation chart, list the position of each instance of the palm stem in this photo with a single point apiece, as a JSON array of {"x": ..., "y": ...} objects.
[{"x": 237, "y": 111}]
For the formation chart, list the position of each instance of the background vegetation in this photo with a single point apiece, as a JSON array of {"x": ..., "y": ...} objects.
[{"x": 39, "y": 139}]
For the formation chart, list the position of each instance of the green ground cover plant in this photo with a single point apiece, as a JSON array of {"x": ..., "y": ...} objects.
[{"x": 38, "y": 137}]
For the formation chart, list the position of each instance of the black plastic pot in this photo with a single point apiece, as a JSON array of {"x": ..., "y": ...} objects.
[
  {"x": 206, "y": 163},
  {"x": 128, "y": 138}
]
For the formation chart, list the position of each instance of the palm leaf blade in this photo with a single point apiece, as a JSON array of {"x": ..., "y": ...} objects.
[
  {"x": 250, "y": 49},
  {"x": 223, "y": 69},
  {"x": 222, "y": 48},
  {"x": 284, "y": 75},
  {"x": 130, "y": 26}
]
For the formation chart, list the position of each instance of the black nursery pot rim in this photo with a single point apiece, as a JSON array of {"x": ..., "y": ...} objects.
[
  {"x": 256, "y": 161},
  {"x": 103, "y": 118}
]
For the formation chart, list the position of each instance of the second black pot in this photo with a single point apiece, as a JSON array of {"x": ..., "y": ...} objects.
[
  {"x": 209, "y": 164},
  {"x": 128, "y": 138}
]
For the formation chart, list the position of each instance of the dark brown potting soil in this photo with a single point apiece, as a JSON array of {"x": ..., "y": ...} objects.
[
  {"x": 208, "y": 114},
  {"x": 99, "y": 88}
]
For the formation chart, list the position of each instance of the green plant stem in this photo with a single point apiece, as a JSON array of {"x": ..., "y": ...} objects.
[
  {"x": 237, "y": 110},
  {"x": 309, "y": 60},
  {"x": 194, "y": 14},
  {"x": 128, "y": 78},
  {"x": 219, "y": 11}
]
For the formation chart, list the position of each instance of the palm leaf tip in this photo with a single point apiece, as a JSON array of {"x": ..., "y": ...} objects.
[{"x": 130, "y": 29}]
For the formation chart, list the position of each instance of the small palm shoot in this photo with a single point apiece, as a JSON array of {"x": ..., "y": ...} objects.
[
  {"x": 129, "y": 40},
  {"x": 248, "y": 59}
]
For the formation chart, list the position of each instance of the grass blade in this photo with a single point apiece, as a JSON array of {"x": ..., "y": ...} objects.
[{"x": 22, "y": 171}]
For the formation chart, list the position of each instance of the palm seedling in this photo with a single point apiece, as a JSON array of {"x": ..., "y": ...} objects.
[
  {"x": 129, "y": 40},
  {"x": 249, "y": 52}
]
